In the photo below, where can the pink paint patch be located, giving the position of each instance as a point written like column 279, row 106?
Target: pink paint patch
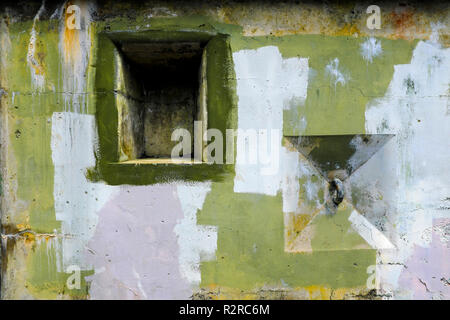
column 427, row 272
column 134, row 249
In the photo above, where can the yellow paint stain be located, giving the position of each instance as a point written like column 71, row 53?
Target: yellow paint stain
column 297, row 222
column 319, row 293
column 23, row 226
column 25, row 232
column 71, row 39
column 29, row 237
column 325, row 293
column 295, row 225
column 301, row 221
column 348, row 30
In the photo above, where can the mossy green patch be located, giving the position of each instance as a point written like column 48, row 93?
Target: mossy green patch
column 29, row 136
column 45, row 53
column 334, row 231
column 45, row 281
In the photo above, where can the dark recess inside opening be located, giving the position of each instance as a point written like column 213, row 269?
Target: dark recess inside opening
column 168, row 78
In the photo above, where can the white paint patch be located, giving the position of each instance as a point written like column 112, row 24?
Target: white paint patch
column 196, row 242
column 312, row 187
column 371, row 48
column 56, row 14
column 415, row 110
column 265, row 84
column 36, row 69
column 369, row 232
column 336, row 75
column 363, row 151
column 435, row 28
column 76, row 199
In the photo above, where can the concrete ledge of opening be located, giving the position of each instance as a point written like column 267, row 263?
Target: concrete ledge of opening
column 160, row 161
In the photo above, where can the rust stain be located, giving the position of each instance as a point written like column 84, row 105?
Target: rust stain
column 71, row 42
column 403, row 22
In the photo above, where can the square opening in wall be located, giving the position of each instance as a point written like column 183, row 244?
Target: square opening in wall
column 149, row 84
column 159, row 88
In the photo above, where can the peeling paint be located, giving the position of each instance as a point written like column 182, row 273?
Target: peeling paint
column 33, row 59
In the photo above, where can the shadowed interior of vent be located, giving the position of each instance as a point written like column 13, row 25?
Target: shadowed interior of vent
column 167, row 79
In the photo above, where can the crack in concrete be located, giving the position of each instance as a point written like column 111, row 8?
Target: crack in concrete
column 25, row 234
column 424, row 284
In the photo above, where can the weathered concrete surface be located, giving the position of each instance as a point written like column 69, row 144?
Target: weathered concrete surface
column 303, row 69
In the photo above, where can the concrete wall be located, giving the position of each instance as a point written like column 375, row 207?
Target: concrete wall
column 254, row 230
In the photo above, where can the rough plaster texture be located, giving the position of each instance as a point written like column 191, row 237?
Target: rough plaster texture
column 298, row 68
